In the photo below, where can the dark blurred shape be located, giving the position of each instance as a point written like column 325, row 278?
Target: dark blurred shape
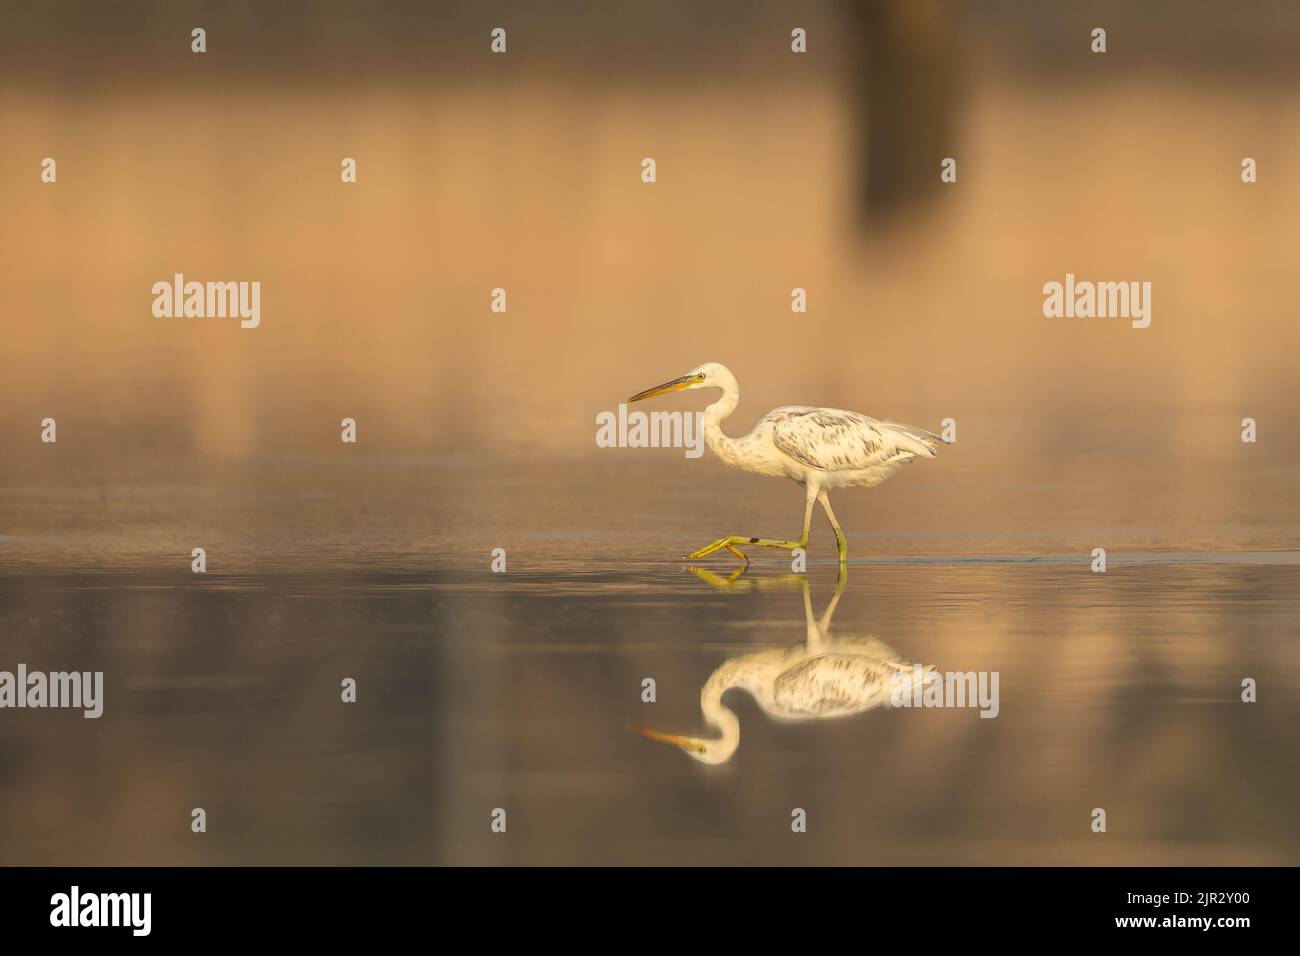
column 910, row 75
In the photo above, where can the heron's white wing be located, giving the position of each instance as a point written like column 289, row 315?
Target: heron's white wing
column 832, row 439
column 832, row 684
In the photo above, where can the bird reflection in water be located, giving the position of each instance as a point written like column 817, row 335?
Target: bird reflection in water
column 822, row 678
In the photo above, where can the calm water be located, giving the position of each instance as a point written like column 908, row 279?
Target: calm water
column 479, row 691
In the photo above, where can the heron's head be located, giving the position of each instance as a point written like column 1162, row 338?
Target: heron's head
column 708, row 375
column 705, row 751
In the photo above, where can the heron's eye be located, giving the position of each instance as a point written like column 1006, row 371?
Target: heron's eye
column 699, row 377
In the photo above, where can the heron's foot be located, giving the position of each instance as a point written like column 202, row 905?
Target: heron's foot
column 730, row 544
column 736, row 581
column 731, row 582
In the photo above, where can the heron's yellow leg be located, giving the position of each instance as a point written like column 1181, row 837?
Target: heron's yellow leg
column 731, row 582
column 736, row 582
column 732, row 540
column 840, row 541
column 730, row 544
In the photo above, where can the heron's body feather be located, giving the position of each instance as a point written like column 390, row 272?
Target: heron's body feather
column 845, row 677
column 845, row 448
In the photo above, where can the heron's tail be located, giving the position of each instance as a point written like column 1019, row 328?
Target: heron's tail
column 920, row 434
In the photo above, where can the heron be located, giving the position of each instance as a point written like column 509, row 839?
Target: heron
column 820, row 448
column 824, row 677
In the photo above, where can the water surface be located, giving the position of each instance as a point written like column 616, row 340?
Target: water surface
column 479, row 691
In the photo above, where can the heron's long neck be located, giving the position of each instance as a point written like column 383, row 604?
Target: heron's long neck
column 718, row 714
column 719, row 443
column 721, row 717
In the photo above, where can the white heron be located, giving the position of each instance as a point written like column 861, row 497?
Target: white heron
column 821, row 448
column 822, row 678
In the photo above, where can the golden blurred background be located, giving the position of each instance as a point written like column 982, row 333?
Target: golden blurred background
column 522, row 171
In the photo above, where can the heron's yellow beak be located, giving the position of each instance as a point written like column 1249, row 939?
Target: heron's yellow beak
column 675, row 385
column 686, row 743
